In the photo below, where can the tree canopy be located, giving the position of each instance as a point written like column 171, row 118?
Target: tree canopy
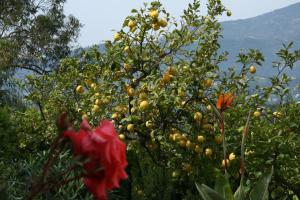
column 35, row 34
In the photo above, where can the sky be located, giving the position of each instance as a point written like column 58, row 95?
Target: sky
column 100, row 17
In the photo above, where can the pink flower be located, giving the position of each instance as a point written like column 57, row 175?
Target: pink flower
column 105, row 156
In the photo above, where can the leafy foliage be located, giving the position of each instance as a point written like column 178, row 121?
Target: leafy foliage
column 159, row 81
column 35, row 35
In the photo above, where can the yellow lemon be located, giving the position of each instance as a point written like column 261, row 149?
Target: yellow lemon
column 189, row 144
column 163, row 22
column 208, row 83
column 198, row 149
column 98, row 102
column 117, row 36
column 131, row 24
column 166, row 78
column 144, row 105
column 149, row 124
column 97, row 94
column 115, row 116
column 223, row 163
column 256, row 114
column 80, row 89
column 208, row 152
column 231, row 156
column 96, row 108
column 197, row 116
column 130, row 127
column 122, row 137
column 130, row 91
column 155, row 26
column 200, row 138
column 154, row 14
column 252, row 69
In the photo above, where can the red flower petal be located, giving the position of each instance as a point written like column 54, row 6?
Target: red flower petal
column 106, row 155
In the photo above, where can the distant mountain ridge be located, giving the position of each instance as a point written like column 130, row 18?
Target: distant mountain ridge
column 281, row 24
column 265, row 32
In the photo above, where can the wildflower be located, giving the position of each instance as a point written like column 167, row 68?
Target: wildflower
column 225, row 101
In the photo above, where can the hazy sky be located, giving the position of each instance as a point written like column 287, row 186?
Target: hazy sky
column 100, row 17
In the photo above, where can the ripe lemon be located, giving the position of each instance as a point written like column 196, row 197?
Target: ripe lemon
column 130, row 127
column 189, row 144
column 277, row 114
column 166, row 78
column 149, row 124
column 197, row 116
column 218, row 139
column 117, row 36
column 97, row 94
column 130, row 91
column 176, row 137
column 223, row 163
column 163, row 22
column 115, row 116
column 198, row 149
column 126, row 49
column 96, row 108
column 182, row 143
column 131, row 24
column 122, row 137
column 175, row 174
column 98, row 102
column 184, row 137
column 208, row 83
column 209, row 108
column 154, row 14
column 256, row 114
column 200, row 138
column 252, row 69
column 208, row 152
column 80, row 89
column 144, row 105
column 155, row 26
column 93, row 85
column 231, row 156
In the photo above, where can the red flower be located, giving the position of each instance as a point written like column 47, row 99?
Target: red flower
column 105, row 156
column 225, row 101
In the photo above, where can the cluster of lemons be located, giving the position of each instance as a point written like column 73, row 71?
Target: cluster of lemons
column 97, row 99
column 276, row 114
column 156, row 24
column 168, row 75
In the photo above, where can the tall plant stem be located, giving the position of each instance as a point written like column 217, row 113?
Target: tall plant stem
column 222, row 124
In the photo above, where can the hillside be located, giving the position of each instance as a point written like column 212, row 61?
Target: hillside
column 266, row 32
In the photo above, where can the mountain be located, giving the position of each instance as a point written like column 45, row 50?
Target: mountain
column 267, row 33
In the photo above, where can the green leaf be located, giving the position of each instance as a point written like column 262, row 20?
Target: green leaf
column 208, row 193
column 134, row 11
column 223, row 188
column 240, row 193
column 260, row 190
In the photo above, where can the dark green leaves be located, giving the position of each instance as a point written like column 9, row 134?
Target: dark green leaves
column 260, row 190
column 207, row 193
